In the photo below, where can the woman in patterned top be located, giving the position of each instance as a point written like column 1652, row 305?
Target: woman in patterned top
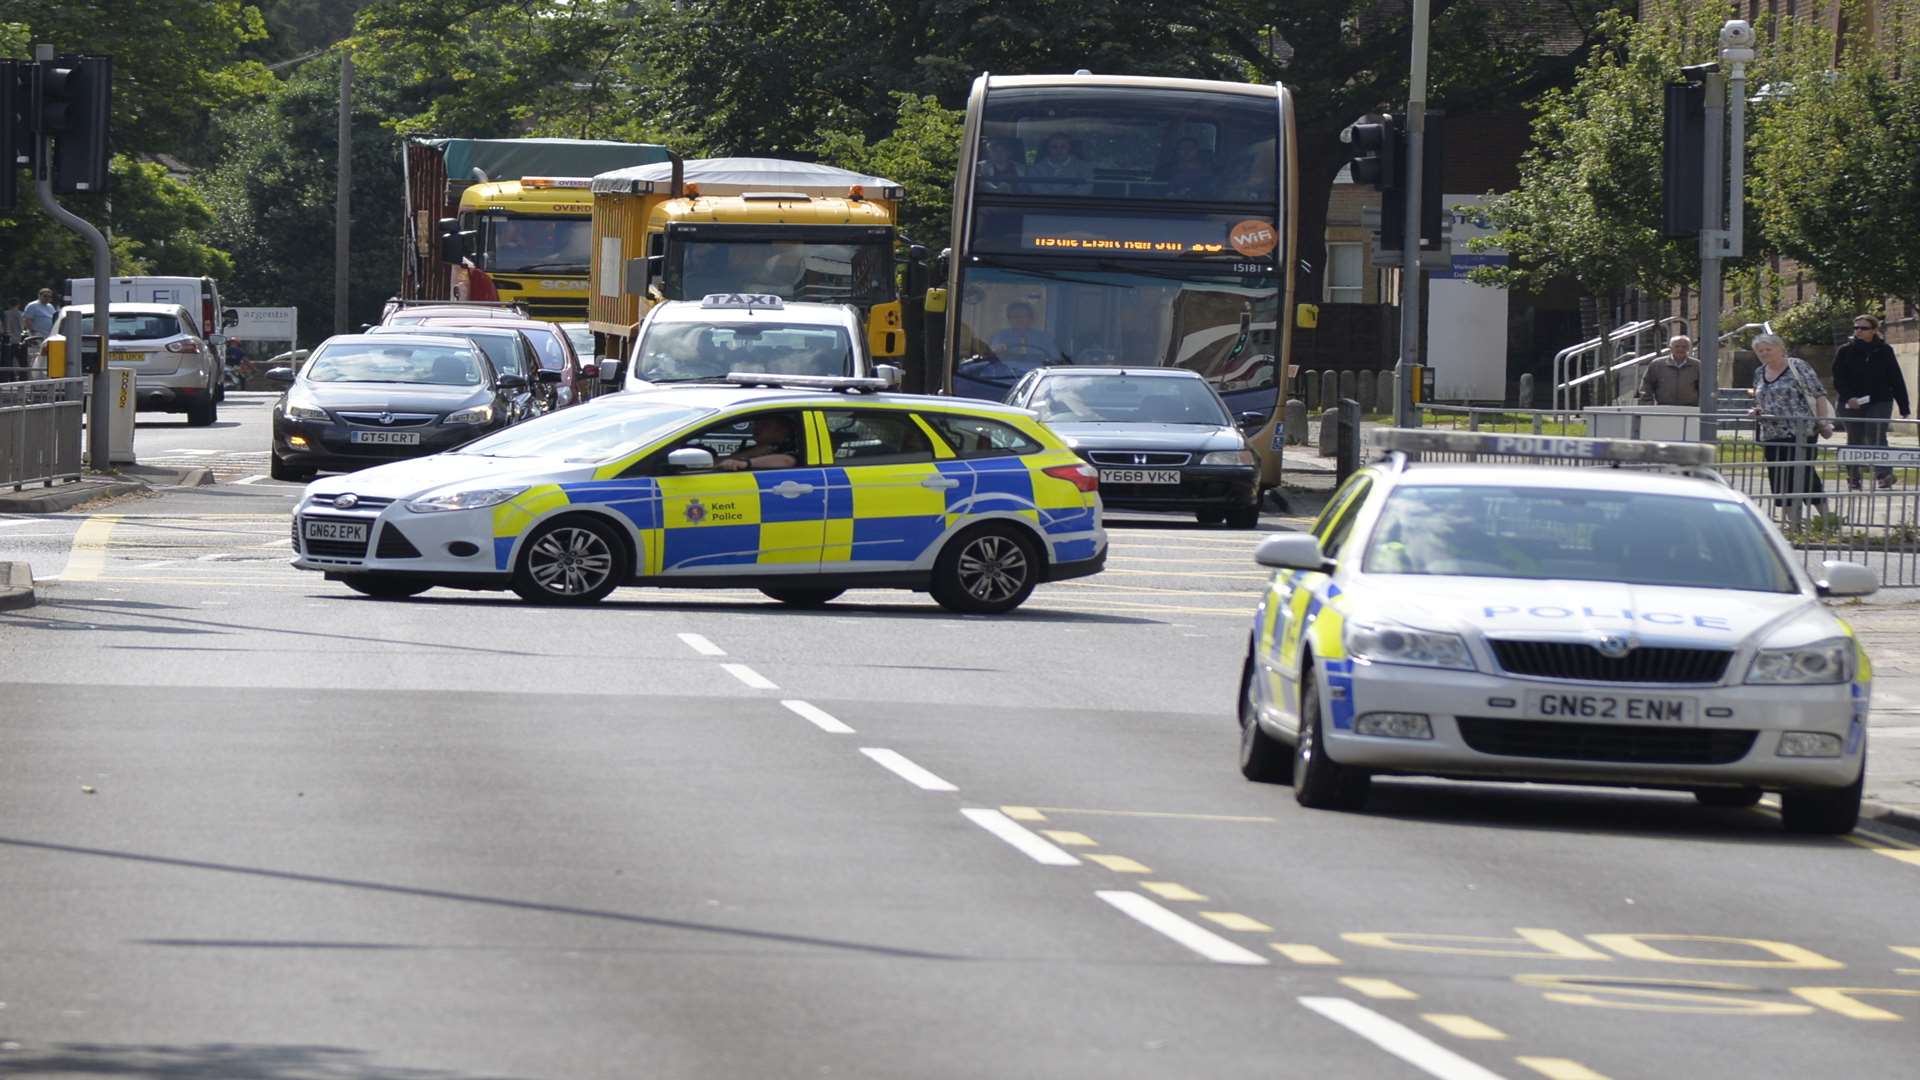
column 1787, row 392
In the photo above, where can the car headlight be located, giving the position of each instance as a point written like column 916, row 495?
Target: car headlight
column 301, row 407
column 1228, row 457
column 1383, row 643
column 1823, row 662
column 478, row 415
column 474, row 499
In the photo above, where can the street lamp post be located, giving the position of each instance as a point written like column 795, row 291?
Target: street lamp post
column 1723, row 236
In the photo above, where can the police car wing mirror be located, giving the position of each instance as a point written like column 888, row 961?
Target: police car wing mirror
column 280, row 374
column 1839, row 578
column 1291, row 551
column 690, row 459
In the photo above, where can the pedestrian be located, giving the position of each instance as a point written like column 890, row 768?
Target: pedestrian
column 40, row 315
column 1792, row 407
column 1674, row 379
column 1867, row 378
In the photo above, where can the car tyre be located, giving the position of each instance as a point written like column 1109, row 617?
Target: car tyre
column 278, row 469
column 1244, row 517
column 986, row 570
column 1734, row 798
column 1824, row 811
column 1263, row 758
column 570, row 560
column 383, row 587
column 799, row 597
column 203, row 413
column 1210, row 516
column 1319, row 782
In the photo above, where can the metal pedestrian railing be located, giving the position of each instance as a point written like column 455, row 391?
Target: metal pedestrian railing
column 40, row 431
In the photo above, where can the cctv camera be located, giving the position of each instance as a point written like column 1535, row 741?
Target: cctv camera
column 1737, row 34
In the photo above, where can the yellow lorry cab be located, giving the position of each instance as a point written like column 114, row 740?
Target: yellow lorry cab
column 796, row 230
column 530, row 238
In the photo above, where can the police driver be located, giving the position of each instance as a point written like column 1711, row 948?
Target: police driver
column 773, row 445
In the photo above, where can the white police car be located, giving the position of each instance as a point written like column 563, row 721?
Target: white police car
column 683, row 341
column 1629, row 626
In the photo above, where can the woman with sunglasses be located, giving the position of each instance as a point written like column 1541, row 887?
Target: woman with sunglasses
column 1867, row 378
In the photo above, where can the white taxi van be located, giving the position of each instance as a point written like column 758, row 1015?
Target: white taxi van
column 1638, row 624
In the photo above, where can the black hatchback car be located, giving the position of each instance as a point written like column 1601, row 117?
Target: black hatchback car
column 1161, row 438
column 364, row 399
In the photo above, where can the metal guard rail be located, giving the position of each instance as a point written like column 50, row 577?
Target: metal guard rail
column 40, row 431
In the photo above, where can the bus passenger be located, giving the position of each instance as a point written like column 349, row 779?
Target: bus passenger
column 1020, row 345
column 1059, row 164
column 1001, row 170
column 1190, row 176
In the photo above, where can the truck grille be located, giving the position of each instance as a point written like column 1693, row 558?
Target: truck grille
column 1632, row 744
column 1581, row 661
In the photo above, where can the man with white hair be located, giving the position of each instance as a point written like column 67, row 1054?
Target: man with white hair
column 1673, row 379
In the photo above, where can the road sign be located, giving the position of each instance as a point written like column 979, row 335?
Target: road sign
column 266, row 324
column 1876, row 455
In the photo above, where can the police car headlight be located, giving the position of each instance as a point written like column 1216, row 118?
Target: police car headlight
column 1823, row 662
column 476, row 499
column 1386, row 643
column 1228, row 457
column 480, row 415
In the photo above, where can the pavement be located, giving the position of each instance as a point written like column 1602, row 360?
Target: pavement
column 259, row 826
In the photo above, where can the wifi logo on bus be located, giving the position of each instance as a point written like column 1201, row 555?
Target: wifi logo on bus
column 1254, row 238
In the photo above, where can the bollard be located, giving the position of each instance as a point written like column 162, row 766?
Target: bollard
column 1526, row 390
column 1329, row 391
column 1349, row 387
column 1296, row 420
column 1347, row 444
column 1364, row 383
column 1329, row 432
column 1308, row 386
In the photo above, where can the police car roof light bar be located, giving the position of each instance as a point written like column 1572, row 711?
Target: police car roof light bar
column 1612, row 451
column 743, row 302
column 807, row 382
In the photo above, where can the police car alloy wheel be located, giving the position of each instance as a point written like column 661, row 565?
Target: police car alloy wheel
column 384, row 587
column 795, row 596
column 569, row 561
column 986, row 570
column 1263, row 758
column 1318, row 782
column 1824, row 812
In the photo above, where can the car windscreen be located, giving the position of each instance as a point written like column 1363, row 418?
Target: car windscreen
column 399, row 362
column 1127, row 399
column 681, row 352
column 1570, row 534
column 595, row 432
column 135, row 327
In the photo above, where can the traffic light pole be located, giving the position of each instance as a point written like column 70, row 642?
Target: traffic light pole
column 1410, row 263
column 1712, row 247
column 100, row 412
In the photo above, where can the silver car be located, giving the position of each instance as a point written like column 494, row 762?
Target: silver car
column 175, row 368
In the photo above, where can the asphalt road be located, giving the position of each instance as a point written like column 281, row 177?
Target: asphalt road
column 257, row 826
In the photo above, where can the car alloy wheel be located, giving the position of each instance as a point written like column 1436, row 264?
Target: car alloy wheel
column 570, row 561
column 993, row 568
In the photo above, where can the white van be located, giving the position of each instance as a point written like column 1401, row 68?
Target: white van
column 199, row 295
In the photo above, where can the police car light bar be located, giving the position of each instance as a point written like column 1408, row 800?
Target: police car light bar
column 743, row 301
column 808, row 382
column 1617, row 451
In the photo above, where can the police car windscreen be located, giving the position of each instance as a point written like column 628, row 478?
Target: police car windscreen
column 1128, row 399
column 597, row 432
column 1572, row 535
column 684, row 352
column 400, row 362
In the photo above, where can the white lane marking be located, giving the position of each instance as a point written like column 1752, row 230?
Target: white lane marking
column 216, row 556
column 6, row 524
column 285, row 541
column 1020, row 837
column 698, row 643
column 749, row 676
column 1191, row 934
column 251, row 479
column 819, row 717
column 897, row 763
column 1397, row 1039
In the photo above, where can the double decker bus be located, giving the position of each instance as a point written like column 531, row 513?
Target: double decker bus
column 1107, row 220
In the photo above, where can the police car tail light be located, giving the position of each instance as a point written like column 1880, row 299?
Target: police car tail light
column 1821, row 663
column 1084, row 477
column 1808, row 744
column 1386, row 643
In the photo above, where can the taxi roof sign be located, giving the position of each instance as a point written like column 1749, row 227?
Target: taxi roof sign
column 743, row 301
column 1610, row 451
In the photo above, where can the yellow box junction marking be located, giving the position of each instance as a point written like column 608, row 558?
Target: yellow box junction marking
column 1907, row 950
column 1069, row 838
column 1171, row 890
column 1023, row 813
column 1120, row 864
column 1528, row 943
column 1845, row 1000
column 89, row 552
column 1559, row 1068
column 1233, row 920
column 1382, row 989
column 1782, row 955
column 1304, row 954
column 1462, row 1027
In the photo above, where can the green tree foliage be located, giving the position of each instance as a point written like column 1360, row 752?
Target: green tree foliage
column 1836, row 156
column 1589, row 202
column 920, row 153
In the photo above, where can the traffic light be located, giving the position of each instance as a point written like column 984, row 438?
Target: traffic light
column 71, row 101
column 16, row 142
column 1432, row 192
column 1683, row 160
column 1377, row 148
